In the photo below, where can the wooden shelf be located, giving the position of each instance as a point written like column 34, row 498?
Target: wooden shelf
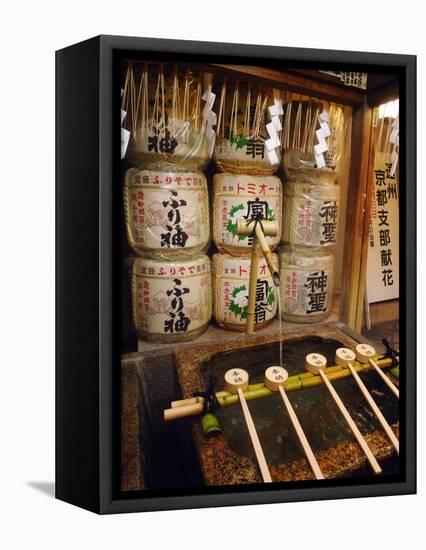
column 296, row 82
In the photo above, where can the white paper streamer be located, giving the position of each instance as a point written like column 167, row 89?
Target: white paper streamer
column 210, row 118
column 273, row 127
column 322, row 133
column 125, row 134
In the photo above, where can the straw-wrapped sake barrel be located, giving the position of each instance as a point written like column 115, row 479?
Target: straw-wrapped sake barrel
column 306, row 284
column 314, row 140
column 167, row 213
column 238, row 196
column 310, row 214
column 249, row 129
column 171, row 301
column 230, row 292
column 169, row 114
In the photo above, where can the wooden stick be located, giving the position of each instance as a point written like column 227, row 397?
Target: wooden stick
column 359, row 437
column 236, row 380
column 310, row 457
column 388, row 430
column 275, row 380
column 264, row 470
column 385, row 379
column 365, row 355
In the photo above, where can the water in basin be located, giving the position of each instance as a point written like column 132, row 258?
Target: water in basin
column 319, row 416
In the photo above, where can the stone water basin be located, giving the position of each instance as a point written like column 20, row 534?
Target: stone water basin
column 229, row 459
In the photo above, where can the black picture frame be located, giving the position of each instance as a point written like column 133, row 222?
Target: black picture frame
column 87, row 357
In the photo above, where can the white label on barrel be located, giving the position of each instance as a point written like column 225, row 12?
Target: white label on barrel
column 168, row 210
column 179, row 138
column 242, row 150
column 245, row 197
column 305, row 292
column 311, row 222
column 232, row 285
column 172, row 298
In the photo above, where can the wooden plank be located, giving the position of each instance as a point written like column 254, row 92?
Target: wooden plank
column 296, row 82
column 380, row 312
column 357, row 222
column 383, row 94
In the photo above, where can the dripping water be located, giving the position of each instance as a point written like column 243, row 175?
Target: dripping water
column 280, row 321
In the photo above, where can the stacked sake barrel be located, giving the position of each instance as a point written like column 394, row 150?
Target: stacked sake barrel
column 312, row 150
column 168, row 118
column 247, row 153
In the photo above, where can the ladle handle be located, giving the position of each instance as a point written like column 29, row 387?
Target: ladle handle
column 358, row 435
column 264, row 470
column 301, row 435
column 388, row 430
column 385, row 379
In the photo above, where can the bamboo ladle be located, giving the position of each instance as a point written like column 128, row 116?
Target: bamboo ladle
column 275, row 380
column 236, row 380
column 344, row 358
column 316, row 364
column 365, row 354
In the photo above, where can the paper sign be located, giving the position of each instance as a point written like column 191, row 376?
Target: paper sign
column 383, row 249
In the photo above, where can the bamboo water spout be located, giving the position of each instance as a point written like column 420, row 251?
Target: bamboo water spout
column 258, row 229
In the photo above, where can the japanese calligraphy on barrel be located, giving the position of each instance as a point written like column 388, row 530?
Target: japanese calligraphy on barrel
column 231, row 288
column 306, row 284
column 240, row 196
column 171, row 301
column 248, row 128
column 167, row 213
column 168, row 113
column 310, row 214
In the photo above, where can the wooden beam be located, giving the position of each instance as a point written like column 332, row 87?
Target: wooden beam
column 358, row 217
column 295, row 82
column 383, row 94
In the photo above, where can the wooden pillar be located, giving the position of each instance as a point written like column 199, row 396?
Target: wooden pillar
column 360, row 190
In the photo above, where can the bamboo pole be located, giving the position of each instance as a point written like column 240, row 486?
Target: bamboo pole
column 273, row 268
column 294, row 383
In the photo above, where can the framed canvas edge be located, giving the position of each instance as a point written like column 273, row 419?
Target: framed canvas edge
column 108, row 503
